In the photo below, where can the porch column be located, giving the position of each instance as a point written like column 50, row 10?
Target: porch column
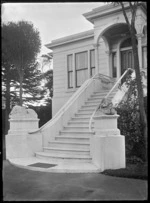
column 118, row 63
column 96, row 57
column 139, row 38
column 108, row 52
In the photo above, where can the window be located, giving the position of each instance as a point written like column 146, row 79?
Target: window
column 144, row 57
column 92, row 62
column 81, row 67
column 70, row 70
column 114, row 65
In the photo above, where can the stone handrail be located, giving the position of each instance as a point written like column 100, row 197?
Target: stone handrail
column 66, row 106
column 97, row 107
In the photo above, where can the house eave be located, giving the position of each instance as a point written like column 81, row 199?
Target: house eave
column 70, row 39
column 107, row 10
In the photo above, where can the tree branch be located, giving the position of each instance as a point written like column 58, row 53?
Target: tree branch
column 125, row 15
column 131, row 6
column 134, row 12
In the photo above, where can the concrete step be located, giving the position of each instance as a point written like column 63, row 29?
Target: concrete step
column 92, row 99
column 104, row 93
column 72, row 137
column 92, row 102
column 66, row 144
column 68, row 150
column 81, row 117
column 79, row 123
column 80, row 114
column 77, row 132
column 53, row 156
column 64, row 166
column 100, row 96
column 78, row 129
column 90, row 106
column 73, row 141
column 90, row 111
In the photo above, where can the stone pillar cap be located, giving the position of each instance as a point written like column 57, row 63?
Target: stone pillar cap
column 22, row 112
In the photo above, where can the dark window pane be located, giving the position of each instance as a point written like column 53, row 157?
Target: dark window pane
column 70, row 70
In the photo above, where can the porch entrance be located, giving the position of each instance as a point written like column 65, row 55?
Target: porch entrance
column 127, row 60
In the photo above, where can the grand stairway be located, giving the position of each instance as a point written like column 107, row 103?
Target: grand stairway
column 72, row 143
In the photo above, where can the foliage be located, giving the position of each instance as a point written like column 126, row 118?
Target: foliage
column 138, row 170
column 48, row 76
column 129, row 122
column 134, row 160
column 20, row 44
column 32, row 85
column 9, row 76
column 32, row 90
column 44, row 112
column 133, row 32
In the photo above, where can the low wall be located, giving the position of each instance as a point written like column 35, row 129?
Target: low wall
column 19, row 143
column 107, row 146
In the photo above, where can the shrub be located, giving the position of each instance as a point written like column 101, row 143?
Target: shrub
column 130, row 125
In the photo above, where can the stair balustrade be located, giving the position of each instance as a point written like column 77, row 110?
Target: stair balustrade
column 101, row 76
column 53, row 127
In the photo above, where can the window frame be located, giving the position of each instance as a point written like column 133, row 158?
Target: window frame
column 92, row 67
column 76, row 70
column 69, row 72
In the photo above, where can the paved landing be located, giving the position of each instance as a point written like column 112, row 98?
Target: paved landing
column 36, row 164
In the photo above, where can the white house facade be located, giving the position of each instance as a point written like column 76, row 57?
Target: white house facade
column 81, row 137
column 105, row 49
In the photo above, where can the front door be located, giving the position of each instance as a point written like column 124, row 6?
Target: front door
column 127, row 60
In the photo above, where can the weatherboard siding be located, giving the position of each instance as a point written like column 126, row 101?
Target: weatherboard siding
column 61, row 91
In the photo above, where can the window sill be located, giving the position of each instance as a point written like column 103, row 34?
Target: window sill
column 71, row 90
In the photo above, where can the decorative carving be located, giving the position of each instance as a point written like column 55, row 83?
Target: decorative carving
column 108, row 52
column 32, row 113
column 139, row 24
column 22, row 112
column 106, row 107
column 95, row 45
column 139, row 35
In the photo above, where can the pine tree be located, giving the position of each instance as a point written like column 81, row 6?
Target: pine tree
column 20, row 43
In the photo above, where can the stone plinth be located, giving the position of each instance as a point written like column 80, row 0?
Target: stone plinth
column 18, row 142
column 106, row 125
column 22, row 120
column 107, row 146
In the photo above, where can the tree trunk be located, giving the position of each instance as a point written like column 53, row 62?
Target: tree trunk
column 7, row 111
column 21, row 91
column 140, row 90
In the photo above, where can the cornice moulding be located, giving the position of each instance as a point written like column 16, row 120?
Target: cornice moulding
column 71, row 38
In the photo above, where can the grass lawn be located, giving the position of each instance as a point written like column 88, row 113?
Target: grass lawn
column 136, row 171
